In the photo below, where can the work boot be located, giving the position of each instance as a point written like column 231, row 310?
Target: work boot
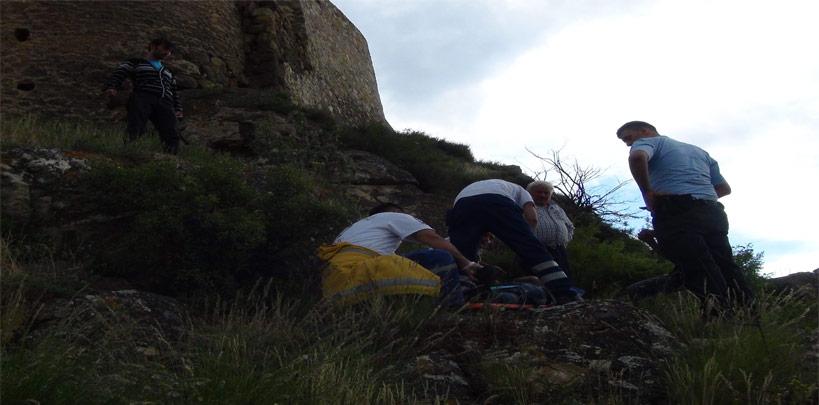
column 567, row 298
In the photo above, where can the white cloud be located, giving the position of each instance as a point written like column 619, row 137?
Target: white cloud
column 739, row 78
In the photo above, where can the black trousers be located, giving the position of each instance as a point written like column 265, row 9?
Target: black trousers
column 694, row 235
column 473, row 216
column 561, row 256
column 143, row 107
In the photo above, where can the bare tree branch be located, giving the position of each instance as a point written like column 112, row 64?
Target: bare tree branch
column 574, row 182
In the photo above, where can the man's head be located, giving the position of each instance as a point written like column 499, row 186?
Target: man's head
column 160, row 48
column 386, row 207
column 541, row 191
column 634, row 130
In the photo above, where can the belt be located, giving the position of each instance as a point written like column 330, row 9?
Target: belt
column 673, row 204
column 683, row 199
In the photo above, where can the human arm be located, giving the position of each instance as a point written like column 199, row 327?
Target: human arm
column 529, row 214
column 177, row 103
column 431, row 238
column 638, row 164
column 122, row 72
column 722, row 189
column 648, row 236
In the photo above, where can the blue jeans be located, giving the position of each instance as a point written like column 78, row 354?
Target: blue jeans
column 443, row 265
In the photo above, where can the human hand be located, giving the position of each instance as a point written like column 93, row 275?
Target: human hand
column 648, row 198
column 179, row 114
column 646, row 235
column 111, row 92
column 471, row 269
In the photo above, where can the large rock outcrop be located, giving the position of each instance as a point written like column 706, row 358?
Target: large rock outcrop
column 150, row 320
column 57, row 54
column 588, row 350
column 39, row 186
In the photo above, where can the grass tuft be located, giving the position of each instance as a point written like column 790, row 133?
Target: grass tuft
column 742, row 356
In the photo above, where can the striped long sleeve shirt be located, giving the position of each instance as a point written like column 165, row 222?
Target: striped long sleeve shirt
column 146, row 79
column 554, row 228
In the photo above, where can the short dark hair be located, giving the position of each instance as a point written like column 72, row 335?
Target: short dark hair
column 635, row 125
column 385, row 207
column 163, row 42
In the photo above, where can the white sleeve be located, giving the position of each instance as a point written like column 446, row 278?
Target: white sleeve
column 523, row 197
column 405, row 225
column 647, row 145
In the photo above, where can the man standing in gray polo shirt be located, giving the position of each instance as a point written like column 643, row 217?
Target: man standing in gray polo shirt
column 680, row 184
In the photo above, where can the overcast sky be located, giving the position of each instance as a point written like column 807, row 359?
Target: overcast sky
column 738, row 78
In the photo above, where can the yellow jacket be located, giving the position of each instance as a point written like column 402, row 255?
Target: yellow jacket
column 356, row 273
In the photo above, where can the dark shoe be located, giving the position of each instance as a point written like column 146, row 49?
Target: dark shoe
column 567, row 298
column 488, row 275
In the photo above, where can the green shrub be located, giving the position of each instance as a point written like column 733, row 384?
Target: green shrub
column 204, row 226
column 751, row 264
column 34, row 131
column 297, row 221
column 438, row 165
column 742, row 357
column 255, row 348
column 600, row 266
column 604, row 266
column 189, row 227
column 51, row 372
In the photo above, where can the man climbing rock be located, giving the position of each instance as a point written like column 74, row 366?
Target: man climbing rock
column 363, row 263
column 507, row 211
column 154, row 97
column 680, row 184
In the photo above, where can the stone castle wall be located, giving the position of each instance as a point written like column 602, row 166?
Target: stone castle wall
column 342, row 79
column 57, row 54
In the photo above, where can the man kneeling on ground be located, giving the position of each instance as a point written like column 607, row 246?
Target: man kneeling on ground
column 363, row 263
column 507, row 211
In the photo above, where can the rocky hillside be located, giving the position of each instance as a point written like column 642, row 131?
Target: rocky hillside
column 119, row 255
column 132, row 275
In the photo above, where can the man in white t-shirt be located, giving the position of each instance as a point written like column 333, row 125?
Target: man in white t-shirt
column 507, row 211
column 363, row 262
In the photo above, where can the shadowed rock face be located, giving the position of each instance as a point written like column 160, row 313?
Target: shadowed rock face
column 806, row 282
column 38, row 185
column 149, row 319
column 579, row 349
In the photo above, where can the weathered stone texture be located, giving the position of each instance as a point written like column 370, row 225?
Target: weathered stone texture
column 73, row 46
column 57, row 54
column 582, row 350
column 342, row 79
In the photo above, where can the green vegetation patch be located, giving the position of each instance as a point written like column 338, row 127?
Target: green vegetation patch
column 743, row 356
column 207, row 224
column 605, row 265
column 33, row 131
column 257, row 348
column 438, row 165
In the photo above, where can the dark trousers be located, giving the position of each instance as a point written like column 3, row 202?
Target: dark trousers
column 473, row 216
column 667, row 283
column 561, row 256
column 443, row 265
column 143, row 107
column 694, row 235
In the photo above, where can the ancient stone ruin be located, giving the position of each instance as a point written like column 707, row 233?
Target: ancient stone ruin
column 57, row 54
